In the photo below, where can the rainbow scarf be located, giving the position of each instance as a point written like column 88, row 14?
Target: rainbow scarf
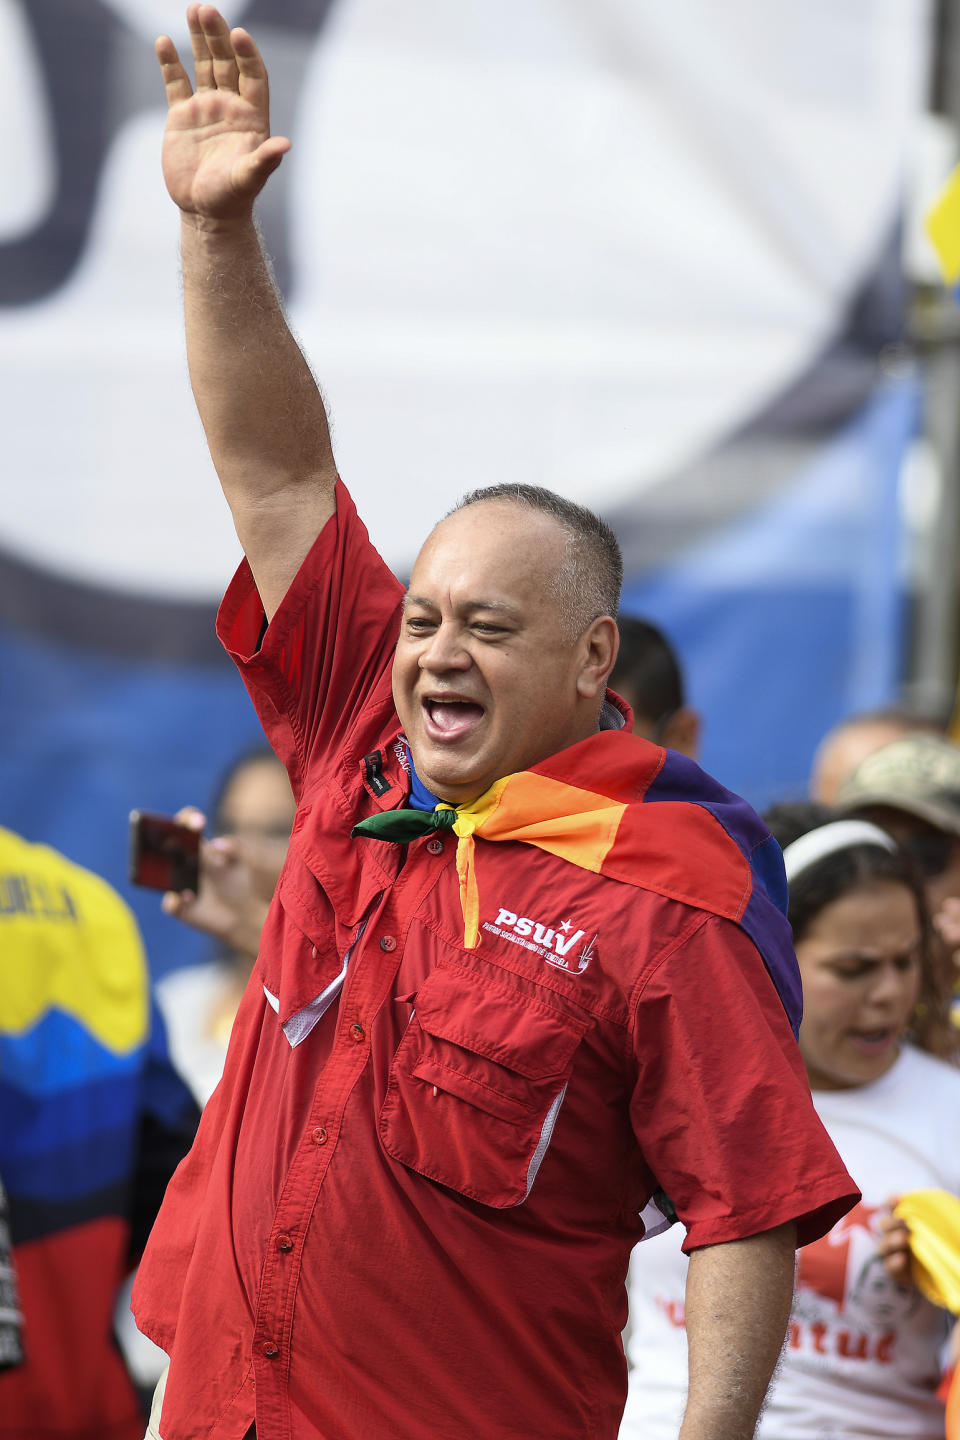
column 650, row 818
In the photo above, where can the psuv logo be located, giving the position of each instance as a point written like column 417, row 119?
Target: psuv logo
column 559, row 945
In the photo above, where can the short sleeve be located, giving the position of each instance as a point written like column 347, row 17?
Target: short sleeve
column 722, row 1108
column 328, row 650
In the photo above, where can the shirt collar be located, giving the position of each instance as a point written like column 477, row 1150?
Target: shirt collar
column 420, row 797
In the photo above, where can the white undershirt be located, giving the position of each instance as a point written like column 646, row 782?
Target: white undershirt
column 863, row 1357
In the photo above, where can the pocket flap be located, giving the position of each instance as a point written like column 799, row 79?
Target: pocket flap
column 534, row 1039
column 473, row 1090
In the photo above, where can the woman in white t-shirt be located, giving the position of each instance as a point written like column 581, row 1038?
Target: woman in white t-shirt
column 864, row 1349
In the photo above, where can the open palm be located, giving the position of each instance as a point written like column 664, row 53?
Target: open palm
column 217, row 149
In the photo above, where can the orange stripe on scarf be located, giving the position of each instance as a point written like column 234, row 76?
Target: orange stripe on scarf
column 576, row 825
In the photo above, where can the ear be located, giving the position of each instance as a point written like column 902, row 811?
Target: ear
column 599, row 644
column 682, row 732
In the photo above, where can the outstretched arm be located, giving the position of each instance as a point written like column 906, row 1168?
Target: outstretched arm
column 260, row 406
column 737, row 1306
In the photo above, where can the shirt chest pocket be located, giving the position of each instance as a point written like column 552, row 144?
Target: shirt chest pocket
column 476, row 1086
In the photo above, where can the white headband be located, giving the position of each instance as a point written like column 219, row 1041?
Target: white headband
column 827, row 839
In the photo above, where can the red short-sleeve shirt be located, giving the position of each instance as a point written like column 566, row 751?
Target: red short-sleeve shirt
column 411, row 1201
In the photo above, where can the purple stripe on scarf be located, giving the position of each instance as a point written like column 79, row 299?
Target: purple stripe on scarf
column 764, row 919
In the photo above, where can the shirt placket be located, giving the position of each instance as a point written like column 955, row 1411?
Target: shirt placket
column 377, row 952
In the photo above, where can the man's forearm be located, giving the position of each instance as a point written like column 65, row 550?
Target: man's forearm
column 737, row 1307
column 261, row 409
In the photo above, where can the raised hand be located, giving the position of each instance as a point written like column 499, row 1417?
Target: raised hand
column 262, row 412
column 217, row 149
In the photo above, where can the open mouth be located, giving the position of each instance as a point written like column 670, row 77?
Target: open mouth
column 449, row 720
column 873, row 1042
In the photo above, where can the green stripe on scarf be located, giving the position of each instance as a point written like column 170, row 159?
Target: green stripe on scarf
column 404, row 825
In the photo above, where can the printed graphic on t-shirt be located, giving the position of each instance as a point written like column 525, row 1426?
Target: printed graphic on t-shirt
column 847, row 1306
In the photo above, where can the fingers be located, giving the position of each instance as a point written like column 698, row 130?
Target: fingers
column 252, row 72
column 893, row 1233
column 226, row 59
column 893, row 1245
column 897, row 1261
column 898, row 1267
column 178, row 903
column 893, row 1236
column 175, row 79
column 215, row 64
column 190, row 815
column 202, row 59
column 220, row 853
column 219, row 44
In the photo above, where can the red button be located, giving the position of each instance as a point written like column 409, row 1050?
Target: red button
column 388, row 942
column 357, row 1032
column 270, row 1349
column 284, row 1243
column 319, row 1136
column 313, row 952
column 435, row 846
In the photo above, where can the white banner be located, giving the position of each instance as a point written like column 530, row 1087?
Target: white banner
column 564, row 243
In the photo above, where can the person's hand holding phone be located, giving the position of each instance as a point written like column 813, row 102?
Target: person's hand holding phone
column 237, row 878
column 164, row 854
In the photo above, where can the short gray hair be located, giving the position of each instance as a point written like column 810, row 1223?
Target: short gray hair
column 588, row 582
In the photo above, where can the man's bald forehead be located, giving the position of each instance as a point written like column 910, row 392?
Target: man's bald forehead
column 500, row 511
column 513, row 537
column 585, row 566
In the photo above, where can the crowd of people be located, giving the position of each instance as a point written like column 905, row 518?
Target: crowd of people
column 502, row 986
column 866, row 1351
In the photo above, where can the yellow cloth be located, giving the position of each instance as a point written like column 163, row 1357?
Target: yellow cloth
column 933, row 1219
column 943, row 227
column 68, row 943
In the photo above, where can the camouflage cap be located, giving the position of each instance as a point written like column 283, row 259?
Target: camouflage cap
column 918, row 774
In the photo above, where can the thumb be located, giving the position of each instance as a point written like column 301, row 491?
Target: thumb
column 253, row 171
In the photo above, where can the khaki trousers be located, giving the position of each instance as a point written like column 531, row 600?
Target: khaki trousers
column 153, row 1430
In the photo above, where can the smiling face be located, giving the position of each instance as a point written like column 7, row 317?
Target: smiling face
column 860, row 965
column 486, row 678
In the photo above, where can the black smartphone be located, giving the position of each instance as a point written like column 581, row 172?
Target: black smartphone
column 164, row 855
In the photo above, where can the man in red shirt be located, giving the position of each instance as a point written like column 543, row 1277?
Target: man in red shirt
column 516, row 979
